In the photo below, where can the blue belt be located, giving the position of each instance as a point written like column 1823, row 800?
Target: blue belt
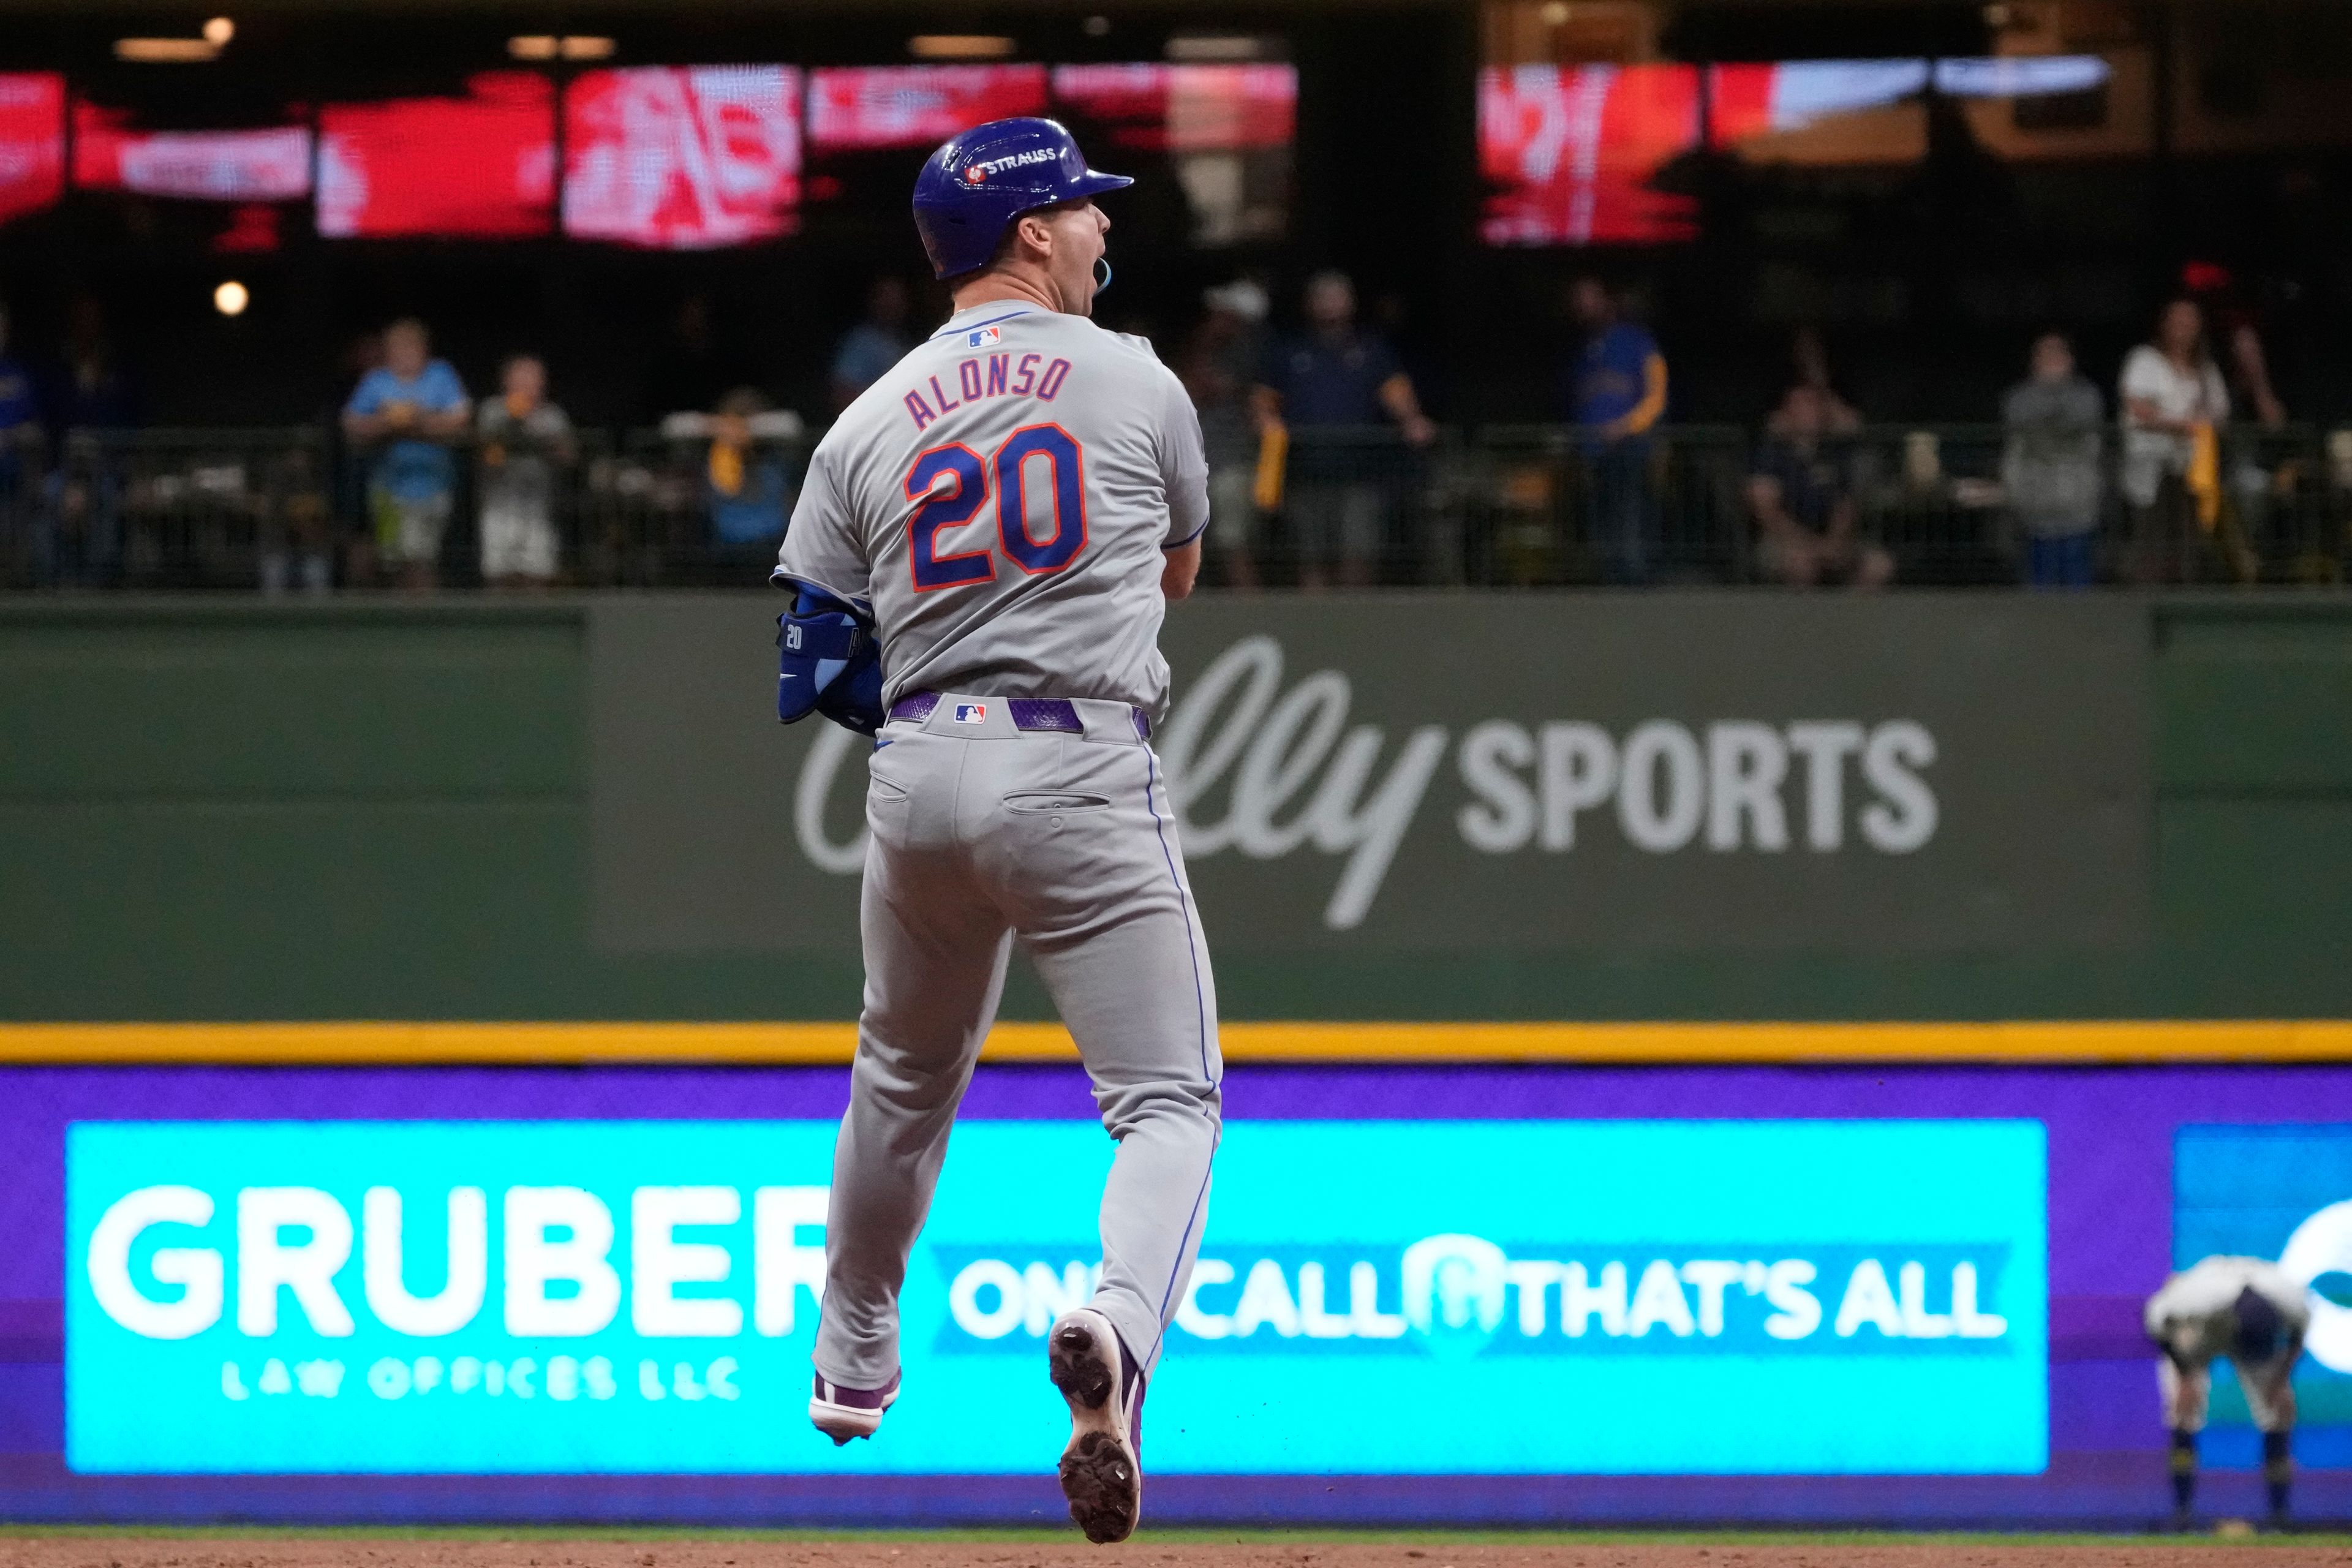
column 1027, row 713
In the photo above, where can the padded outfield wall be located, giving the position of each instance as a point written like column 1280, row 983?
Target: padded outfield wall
column 1704, row 807
column 1781, row 1039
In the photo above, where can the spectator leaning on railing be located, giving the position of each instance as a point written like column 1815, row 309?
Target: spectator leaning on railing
column 1615, row 392
column 1218, row 365
column 2174, row 404
column 525, row 442
column 89, row 387
column 20, row 440
column 415, row 406
column 1801, row 493
column 745, row 487
column 1335, row 377
column 2050, row 465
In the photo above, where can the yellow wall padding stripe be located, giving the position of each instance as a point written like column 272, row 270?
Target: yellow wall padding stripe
column 366, row 1043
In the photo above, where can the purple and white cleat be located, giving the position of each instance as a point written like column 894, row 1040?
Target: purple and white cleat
column 841, row 1412
column 1102, row 1468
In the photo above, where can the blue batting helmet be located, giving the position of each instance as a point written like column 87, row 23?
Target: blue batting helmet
column 975, row 185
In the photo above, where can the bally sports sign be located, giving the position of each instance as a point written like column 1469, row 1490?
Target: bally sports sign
column 1267, row 770
column 1612, row 775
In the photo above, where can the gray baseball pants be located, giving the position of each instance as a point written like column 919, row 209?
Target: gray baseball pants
column 982, row 833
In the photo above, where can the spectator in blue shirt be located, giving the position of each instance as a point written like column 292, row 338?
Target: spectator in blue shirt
column 1615, row 392
column 1328, row 385
column 1801, row 491
column 410, row 407
column 90, row 389
column 869, row 349
column 744, row 483
column 20, row 424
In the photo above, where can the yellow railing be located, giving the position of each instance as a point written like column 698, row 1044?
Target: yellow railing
column 819, row 1044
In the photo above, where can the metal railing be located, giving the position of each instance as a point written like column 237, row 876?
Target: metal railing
column 1503, row 506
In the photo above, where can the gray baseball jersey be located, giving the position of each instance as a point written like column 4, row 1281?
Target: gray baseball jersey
column 999, row 502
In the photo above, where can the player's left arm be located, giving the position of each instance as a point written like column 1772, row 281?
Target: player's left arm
column 1179, row 569
column 1184, row 470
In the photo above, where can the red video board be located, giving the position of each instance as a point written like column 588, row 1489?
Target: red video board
column 682, row 158
column 271, row 165
column 1187, row 107
column 481, row 166
column 1568, row 153
column 32, row 142
column 867, row 106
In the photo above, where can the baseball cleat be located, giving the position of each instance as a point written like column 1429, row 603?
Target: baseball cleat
column 841, row 1412
column 1102, row 1468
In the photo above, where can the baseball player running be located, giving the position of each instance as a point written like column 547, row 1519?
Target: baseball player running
column 2253, row 1313
column 982, row 554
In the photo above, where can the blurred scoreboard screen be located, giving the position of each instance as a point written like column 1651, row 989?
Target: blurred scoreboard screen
column 1568, row 153
column 1575, row 154
column 683, row 158
column 32, row 142
column 110, row 153
column 1184, row 107
column 866, row 108
column 479, row 166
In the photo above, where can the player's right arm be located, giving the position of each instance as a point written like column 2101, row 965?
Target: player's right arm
column 825, row 549
column 829, row 660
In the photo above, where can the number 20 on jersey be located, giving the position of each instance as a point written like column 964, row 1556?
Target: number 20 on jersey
column 952, row 483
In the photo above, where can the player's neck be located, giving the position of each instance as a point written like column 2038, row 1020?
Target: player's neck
column 1016, row 286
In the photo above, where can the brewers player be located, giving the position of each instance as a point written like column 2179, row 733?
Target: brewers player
column 2253, row 1313
column 1002, row 518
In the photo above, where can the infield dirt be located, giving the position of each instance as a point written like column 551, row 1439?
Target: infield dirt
column 1185, row 1550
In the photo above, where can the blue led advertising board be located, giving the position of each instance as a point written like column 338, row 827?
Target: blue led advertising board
column 2282, row 1193
column 1376, row 1297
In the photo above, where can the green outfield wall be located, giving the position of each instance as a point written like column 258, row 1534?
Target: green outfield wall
column 1670, row 806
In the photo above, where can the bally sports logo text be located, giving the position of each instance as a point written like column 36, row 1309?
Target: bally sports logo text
column 1266, row 772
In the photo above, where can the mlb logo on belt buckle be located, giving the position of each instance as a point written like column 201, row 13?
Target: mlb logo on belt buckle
column 987, row 337
column 971, row 713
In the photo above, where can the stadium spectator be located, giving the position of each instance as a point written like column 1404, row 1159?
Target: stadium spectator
column 2174, row 403
column 297, row 532
column 1326, row 385
column 869, row 349
column 77, row 534
column 2261, row 474
column 412, row 406
column 90, row 389
column 695, row 368
column 20, row 428
column 1615, row 392
column 2251, row 370
column 1801, row 493
column 2050, row 465
column 1218, row 366
column 744, row 485
column 1809, row 356
column 525, row 442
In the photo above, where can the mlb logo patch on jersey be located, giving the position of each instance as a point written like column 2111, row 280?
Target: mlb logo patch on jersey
column 972, row 712
column 986, row 338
